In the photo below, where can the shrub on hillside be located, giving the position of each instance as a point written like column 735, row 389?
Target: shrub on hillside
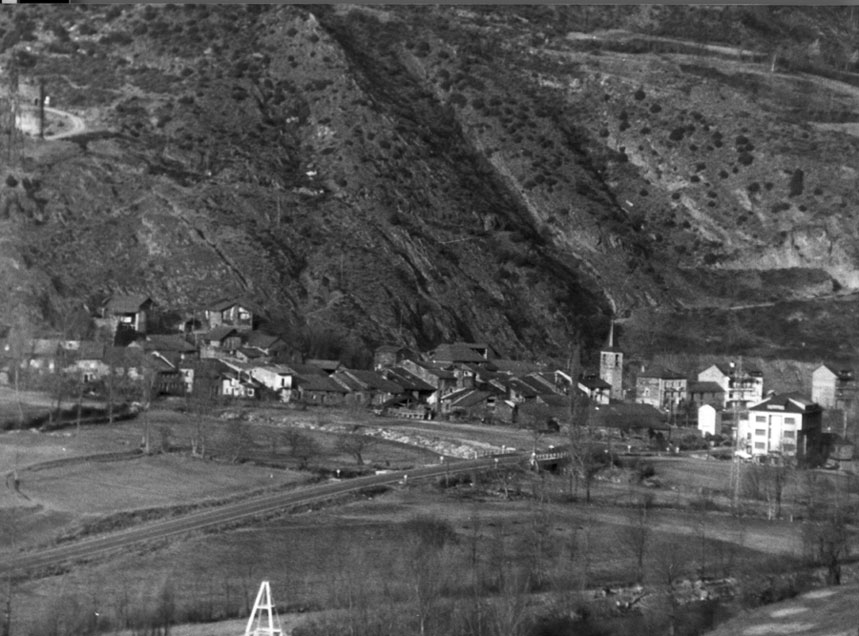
column 796, row 183
column 745, row 159
column 677, row 134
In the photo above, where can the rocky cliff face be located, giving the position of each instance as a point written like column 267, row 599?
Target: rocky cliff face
column 426, row 173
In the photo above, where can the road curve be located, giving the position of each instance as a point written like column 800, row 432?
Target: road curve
column 229, row 513
column 77, row 124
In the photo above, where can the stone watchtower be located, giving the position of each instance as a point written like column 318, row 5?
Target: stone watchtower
column 611, row 366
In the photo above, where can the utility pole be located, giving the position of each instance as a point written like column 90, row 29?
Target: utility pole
column 13, row 107
column 41, row 108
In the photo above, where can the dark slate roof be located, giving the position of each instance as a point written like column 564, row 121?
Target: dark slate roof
column 409, row 381
column 556, row 401
column 127, row 304
column 350, row 383
column 226, row 303
column 220, row 333
column 207, row 367
column 387, row 348
column 787, row 403
column 251, row 353
column 593, row 382
column 305, row 370
column 262, row 340
column 325, row 365
column 537, row 385
column 457, row 352
column 626, row 415
column 663, row 373
column 544, row 379
column 315, row 382
column 44, row 346
column 169, row 342
column 437, row 370
column 516, row 367
column 90, row 350
column 374, row 381
column 705, row 387
column 471, row 398
column 525, row 389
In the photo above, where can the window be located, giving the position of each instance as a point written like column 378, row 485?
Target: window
column 616, row 360
column 250, row 392
column 788, row 448
column 760, row 418
column 790, row 420
column 760, row 432
column 760, row 445
column 790, row 435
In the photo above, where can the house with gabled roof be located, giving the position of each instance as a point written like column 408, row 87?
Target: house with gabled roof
column 661, row 388
column 279, row 378
column 387, row 356
column 239, row 314
column 319, row 389
column 787, row 424
column 459, row 353
column 366, row 387
column 469, row 403
column 328, row 366
column 434, row 374
column 128, row 311
column 743, row 384
column 515, row 367
column 833, row 387
column 416, row 390
column 219, row 342
column 597, row 389
column 266, row 343
column 701, row 393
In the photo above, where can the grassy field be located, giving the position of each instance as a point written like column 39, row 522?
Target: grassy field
column 318, row 559
column 519, row 526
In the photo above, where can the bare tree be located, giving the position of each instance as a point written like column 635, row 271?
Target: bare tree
column 768, row 483
column 355, row 444
column 428, row 538
column 826, row 534
column 198, row 407
column 19, row 342
column 670, row 562
column 238, row 439
column 636, row 533
column 586, row 459
column 513, row 581
column 301, row 446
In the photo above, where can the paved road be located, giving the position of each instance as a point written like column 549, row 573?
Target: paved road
column 88, row 548
column 77, row 124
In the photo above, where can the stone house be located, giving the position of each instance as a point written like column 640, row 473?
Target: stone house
column 237, row 314
column 318, row 389
column 597, row 389
column 219, row 341
column 127, row 312
column 388, row 356
column 833, row 388
column 661, row 388
column 711, row 393
column 366, row 387
column 742, row 384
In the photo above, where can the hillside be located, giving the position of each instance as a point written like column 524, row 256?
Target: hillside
column 420, row 174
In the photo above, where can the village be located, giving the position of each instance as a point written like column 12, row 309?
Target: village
column 221, row 355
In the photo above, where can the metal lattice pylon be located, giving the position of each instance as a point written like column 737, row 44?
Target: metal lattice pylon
column 264, row 620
